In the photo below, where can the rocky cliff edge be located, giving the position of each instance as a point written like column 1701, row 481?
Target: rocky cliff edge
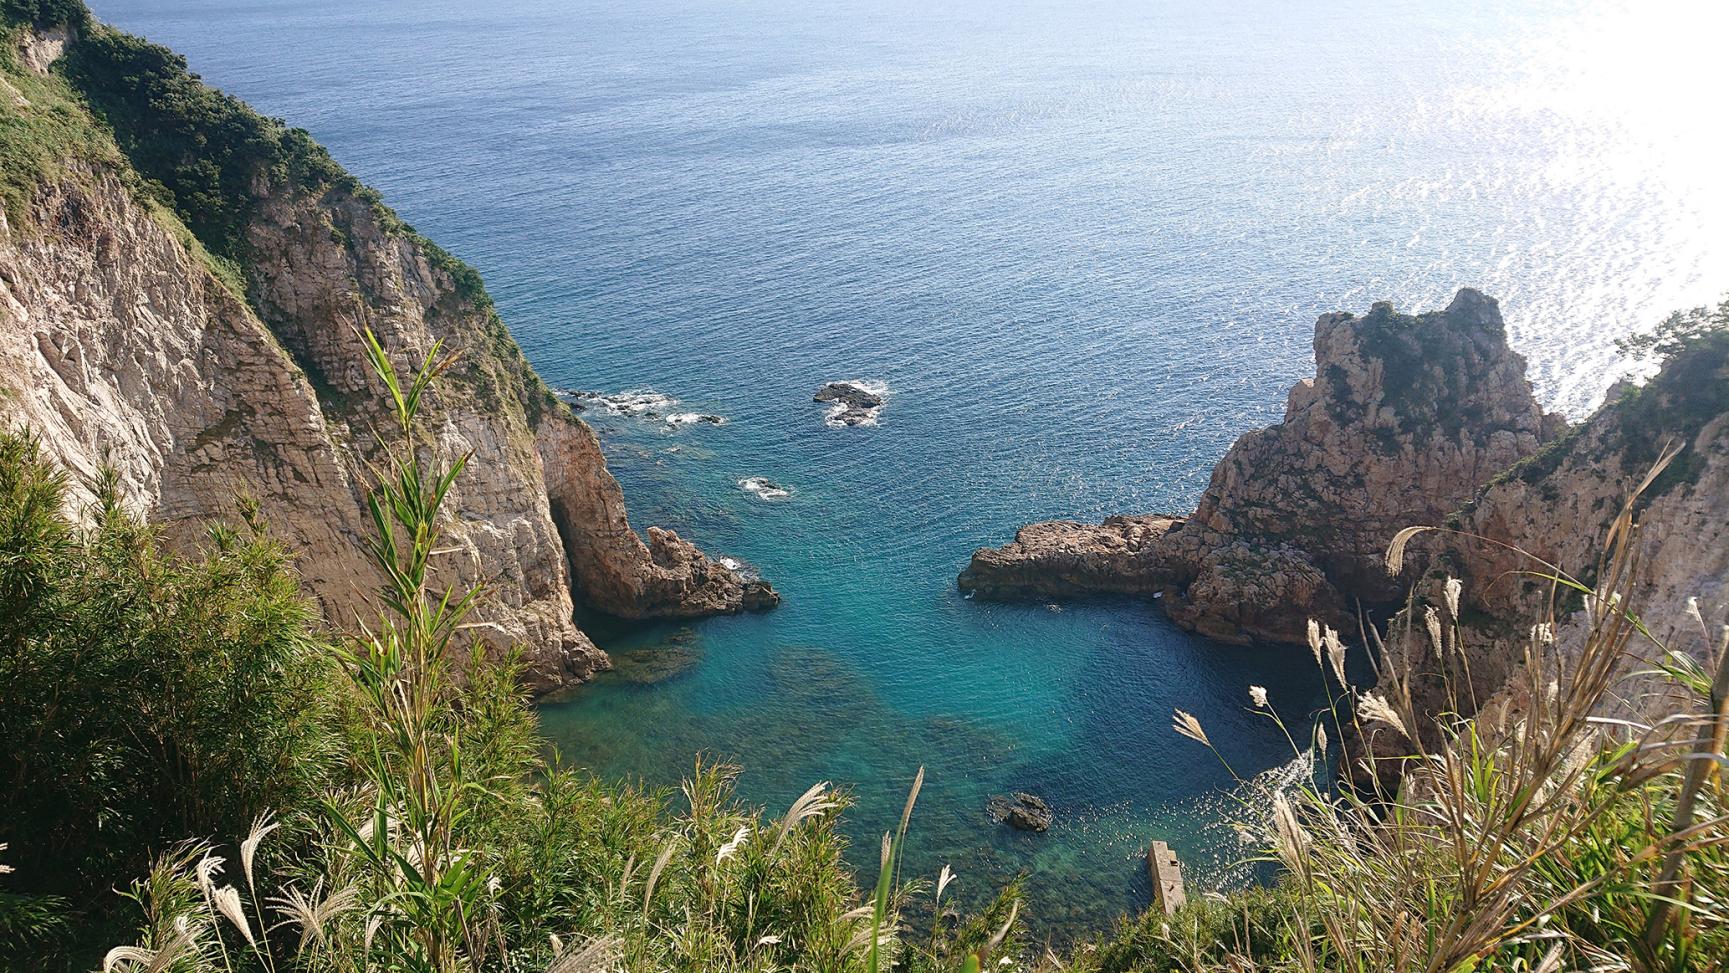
column 208, row 359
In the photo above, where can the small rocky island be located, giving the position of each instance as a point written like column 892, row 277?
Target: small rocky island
column 855, row 403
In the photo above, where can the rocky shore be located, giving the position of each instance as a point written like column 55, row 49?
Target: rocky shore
column 1425, row 420
column 1061, row 558
column 1405, row 418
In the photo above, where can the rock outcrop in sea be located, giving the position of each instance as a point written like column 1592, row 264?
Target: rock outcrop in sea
column 124, row 343
column 1405, row 417
column 1125, row 555
column 854, row 403
column 1022, row 811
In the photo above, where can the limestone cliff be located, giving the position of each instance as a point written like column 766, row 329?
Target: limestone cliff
column 1405, row 417
column 182, row 303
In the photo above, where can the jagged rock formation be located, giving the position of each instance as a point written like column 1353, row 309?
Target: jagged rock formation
column 124, row 343
column 1404, row 419
column 1021, row 811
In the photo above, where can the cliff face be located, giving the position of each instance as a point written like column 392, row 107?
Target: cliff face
column 1404, row 419
column 1558, row 505
column 124, row 342
column 1429, row 421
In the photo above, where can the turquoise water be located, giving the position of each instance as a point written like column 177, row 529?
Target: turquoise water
column 1083, row 244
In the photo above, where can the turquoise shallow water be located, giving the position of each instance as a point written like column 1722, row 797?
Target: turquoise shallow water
column 1082, row 243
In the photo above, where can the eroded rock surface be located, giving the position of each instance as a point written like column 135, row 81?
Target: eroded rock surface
column 1557, row 506
column 1063, row 558
column 1406, row 416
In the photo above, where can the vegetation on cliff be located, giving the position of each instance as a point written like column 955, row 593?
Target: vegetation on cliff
column 403, row 814
column 135, row 108
column 43, row 125
column 144, row 697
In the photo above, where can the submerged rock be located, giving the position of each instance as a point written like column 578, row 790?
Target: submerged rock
column 695, row 418
column 644, row 403
column 1022, row 811
column 855, row 403
column 652, row 665
column 638, row 404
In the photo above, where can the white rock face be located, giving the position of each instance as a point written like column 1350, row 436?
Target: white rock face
column 119, row 348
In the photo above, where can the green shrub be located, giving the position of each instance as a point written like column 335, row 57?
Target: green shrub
column 208, row 152
column 145, row 697
column 44, row 13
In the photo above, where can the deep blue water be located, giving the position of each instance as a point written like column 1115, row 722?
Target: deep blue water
column 1083, row 244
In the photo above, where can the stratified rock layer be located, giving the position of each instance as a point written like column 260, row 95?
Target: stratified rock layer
column 1405, row 417
column 120, row 346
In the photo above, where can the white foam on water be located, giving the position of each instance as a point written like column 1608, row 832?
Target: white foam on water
column 631, row 402
column 692, row 418
column 740, row 568
column 871, row 385
column 764, row 488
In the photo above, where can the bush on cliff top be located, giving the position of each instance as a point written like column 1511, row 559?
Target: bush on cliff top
column 205, row 152
column 202, row 153
column 209, row 156
column 45, row 13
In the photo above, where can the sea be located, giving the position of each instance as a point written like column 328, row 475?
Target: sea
column 1079, row 245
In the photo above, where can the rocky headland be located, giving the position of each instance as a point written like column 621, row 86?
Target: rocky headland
column 1404, row 418
column 183, row 303
column 1421, row 420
